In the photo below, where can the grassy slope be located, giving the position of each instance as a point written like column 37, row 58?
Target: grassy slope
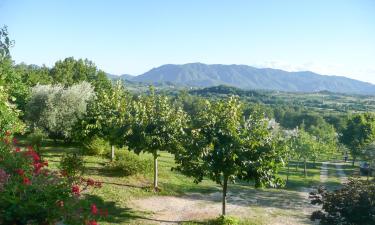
column 117, row 191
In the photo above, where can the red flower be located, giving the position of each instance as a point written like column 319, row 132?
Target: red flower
column 20, row 172
column 75, row 190
column 37, row 167
column 26, row 181
column 93, row 222
column 18, row 149
column 94, row 209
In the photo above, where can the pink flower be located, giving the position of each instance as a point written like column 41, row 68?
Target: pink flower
column 15, row 141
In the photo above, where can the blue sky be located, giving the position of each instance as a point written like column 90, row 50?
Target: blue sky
column 327, row 36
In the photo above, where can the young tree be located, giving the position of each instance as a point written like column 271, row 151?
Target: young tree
column 360, row 131
column 224, row 146
column 305, row 147
column 108, row 116
column 156, row 125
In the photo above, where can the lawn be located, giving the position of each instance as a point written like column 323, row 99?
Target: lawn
column 118, row 191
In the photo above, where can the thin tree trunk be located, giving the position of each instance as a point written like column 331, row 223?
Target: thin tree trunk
column 112, row 153
column 156, row 171
column 304, row 169
column 287, row 174
column 297, row 164
column 225, row 188
column 353, row 161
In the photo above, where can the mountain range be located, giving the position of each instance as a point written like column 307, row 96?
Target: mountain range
column 248, row 77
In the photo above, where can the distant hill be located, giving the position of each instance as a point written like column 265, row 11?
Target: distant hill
column 247, row 77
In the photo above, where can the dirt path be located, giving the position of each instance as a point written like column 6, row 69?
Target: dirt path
column 279, row 207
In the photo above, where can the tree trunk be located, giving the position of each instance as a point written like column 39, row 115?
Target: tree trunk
column 287, row 173
column 304, row 169
column 314, row 166
column 155, row 170
column 297, row 164
column 353, row 161
column 112, row 153
column 225, row 188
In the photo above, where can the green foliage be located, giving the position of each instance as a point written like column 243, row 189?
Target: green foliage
column 5, row 43
column 359, row 132
column 225, row 220
column 224, row 146
column 156, row 125
column 35, row 139
column 71, row 71
column 57, row 110
column 128, row 163
column 108, row 115
column 72, row 165
column 352, row 204
column 96, row 146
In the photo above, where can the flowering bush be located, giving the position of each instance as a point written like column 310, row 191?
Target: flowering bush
column 30, row 193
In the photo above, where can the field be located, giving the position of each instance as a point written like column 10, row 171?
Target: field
column 130, row 200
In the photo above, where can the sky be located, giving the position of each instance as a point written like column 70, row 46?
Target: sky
column 335, row 37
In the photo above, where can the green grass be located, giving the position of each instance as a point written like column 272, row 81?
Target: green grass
column 117, row 191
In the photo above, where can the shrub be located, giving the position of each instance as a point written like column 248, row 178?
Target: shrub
column 352, row 204
column 35, row 139
column 225, row 220
column 128, row 163
column 96, row 146
column 32, row 194
column 72, row 165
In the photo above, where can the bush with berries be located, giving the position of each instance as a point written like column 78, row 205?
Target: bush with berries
column 30, row 193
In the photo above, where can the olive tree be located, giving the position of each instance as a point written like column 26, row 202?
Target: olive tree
column 156, row 125
column 225, row 146
column 56, row 109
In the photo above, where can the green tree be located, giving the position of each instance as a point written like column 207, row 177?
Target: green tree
column 360, row 131
column 108, row 116
column 156, row 125
column 10, row 88
column 305, row 147
column 224, row 146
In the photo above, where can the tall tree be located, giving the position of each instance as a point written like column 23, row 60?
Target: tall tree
column 360, row 131
column 224, row 146
column 156, row 125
